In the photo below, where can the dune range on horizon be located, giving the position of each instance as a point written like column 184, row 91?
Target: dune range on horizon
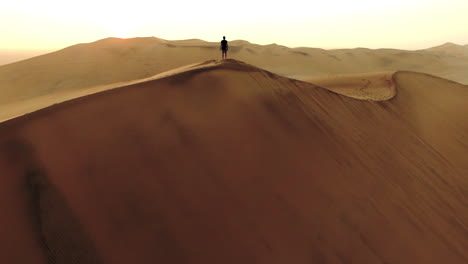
column 114, row 60
column 225, row 162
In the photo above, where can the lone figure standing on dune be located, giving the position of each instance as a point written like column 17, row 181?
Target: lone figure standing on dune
column 224, row 47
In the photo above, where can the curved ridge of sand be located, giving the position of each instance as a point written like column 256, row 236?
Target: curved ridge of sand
column 232, row 164
column 22, row 107
column 365, row 86
column 378, row 86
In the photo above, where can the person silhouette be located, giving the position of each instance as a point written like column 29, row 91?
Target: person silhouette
column 224, row 47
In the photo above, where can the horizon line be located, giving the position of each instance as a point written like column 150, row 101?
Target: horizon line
column 274, row 43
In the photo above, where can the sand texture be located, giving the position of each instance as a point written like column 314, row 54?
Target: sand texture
column 224, row 162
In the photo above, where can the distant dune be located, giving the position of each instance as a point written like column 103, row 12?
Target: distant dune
column 224, row 162
column 11, row 56
column 114, row 60
column 450, row 49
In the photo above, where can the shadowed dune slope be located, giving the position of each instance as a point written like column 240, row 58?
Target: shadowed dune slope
column 119, row 60
column 229, row 163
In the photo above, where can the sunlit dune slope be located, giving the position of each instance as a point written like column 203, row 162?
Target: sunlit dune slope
column 119, row 60
column 229, row 163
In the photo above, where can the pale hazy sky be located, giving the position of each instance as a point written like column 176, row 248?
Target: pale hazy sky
column 405, row 24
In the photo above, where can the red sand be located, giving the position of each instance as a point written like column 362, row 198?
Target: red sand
column 232, row 164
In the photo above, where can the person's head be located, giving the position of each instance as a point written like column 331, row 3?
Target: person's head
column 224, row 37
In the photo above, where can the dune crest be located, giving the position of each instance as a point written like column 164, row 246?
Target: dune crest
column 365, row 86
column 22, row 107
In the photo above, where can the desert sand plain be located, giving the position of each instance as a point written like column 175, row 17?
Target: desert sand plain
column 153, row 151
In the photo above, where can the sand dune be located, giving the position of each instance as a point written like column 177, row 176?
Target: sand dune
column 450, row 49
column 228, row 163
column 114, row 60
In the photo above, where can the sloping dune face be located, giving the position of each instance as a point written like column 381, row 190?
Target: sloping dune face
column 231, row 164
